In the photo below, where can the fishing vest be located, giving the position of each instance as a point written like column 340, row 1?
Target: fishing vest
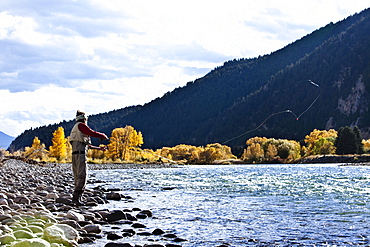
column 77, row 135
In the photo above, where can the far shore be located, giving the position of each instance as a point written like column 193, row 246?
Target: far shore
column 350, row 159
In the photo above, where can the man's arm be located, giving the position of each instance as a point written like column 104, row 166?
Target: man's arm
column 88, row 131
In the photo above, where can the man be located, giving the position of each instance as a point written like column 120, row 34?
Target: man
column 80, row 140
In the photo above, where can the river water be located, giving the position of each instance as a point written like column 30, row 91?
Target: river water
column 251, row 205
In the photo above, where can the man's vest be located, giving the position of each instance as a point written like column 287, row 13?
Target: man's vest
column 77, row 135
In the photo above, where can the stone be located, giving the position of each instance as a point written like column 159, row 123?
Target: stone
column 22, row 200
column 23, row 234
column 115, row 215
column 118, row 245
column 36, row 242
column 2, row 195
column 93, row 228
column 6, row 239
column 60, row 233
column 170, row 235
column 144, row 233
column 173, row 245
column 141, row 216
column 147, row 212
column 179, row 240
column 130, row 217
column 35, row 229
column 113, row 196
column 138, row 225
column 73, row 215
column 52, row 196
column 63, row 200
column 4, row 201
column 71, row 223
column 158, row 231
column 113, row 236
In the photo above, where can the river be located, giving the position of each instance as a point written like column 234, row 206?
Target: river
column 250, row 205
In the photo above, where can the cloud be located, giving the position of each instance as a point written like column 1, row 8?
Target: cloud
column 57, row 56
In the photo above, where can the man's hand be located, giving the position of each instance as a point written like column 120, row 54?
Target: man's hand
column 103, row 148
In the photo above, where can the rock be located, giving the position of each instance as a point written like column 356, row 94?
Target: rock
column 2, row 195
column 170, row 235
column 52, row 196
column 141, row 216
column 63, row 200
column 179, row 240
column 158, row 232
column 173, row 245
column 23, row 234
column 113, row 236
column 3, row 201
column 71, row 214
column 35, row 242
column 35, row 229
column 131, row 231
column 6, row 239
column 22, row 200
column 113, row 196
column 71, row 223
column 93, row 228
column 60, row 233
column 144, row 233
column 5, row 217
column 130, row 217
column 118, row 245
column 115, row 215
column 147, row 212
column 138, row 225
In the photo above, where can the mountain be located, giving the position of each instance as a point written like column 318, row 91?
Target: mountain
column 322, row 78
column 5, row 140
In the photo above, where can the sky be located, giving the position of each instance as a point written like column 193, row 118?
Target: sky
column 60, row 56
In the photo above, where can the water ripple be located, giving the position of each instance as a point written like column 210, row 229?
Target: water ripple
column 265, row 205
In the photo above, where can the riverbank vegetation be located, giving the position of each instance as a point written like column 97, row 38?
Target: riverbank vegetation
column 124, row 147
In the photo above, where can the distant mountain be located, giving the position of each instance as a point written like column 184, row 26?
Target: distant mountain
column 239, row 96
column 5, row 140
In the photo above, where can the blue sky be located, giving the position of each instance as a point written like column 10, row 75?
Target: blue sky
column 57, row 56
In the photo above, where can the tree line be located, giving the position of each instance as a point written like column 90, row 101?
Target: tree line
column 125, row 146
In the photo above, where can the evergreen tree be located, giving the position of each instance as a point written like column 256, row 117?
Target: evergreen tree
column 359, row 144
column 346, row 142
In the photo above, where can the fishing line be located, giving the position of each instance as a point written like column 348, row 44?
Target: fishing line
column 277, row 113
column 313, row 102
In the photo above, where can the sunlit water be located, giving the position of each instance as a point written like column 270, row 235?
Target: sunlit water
column 251, row 205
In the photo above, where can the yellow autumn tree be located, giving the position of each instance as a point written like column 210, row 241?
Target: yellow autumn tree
column 321, row 142
column 59, row 148
column 124, row 143
column 215, row 151
column 254, row 153
column 366, row 145
column 36, row 151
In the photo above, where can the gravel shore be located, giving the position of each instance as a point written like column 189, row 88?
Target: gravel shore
column 36, row 210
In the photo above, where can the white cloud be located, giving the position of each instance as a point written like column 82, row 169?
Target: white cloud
column 100, row 55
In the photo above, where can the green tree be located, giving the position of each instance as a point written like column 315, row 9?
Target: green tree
column 359, row 144
column 346, row 142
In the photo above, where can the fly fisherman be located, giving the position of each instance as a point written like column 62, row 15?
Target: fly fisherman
column 80, row 140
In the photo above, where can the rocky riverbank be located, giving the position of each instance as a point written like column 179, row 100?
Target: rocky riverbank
column 350, row 159
column 36, row 210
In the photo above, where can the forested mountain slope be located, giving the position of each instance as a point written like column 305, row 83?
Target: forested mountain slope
column 238, row 96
